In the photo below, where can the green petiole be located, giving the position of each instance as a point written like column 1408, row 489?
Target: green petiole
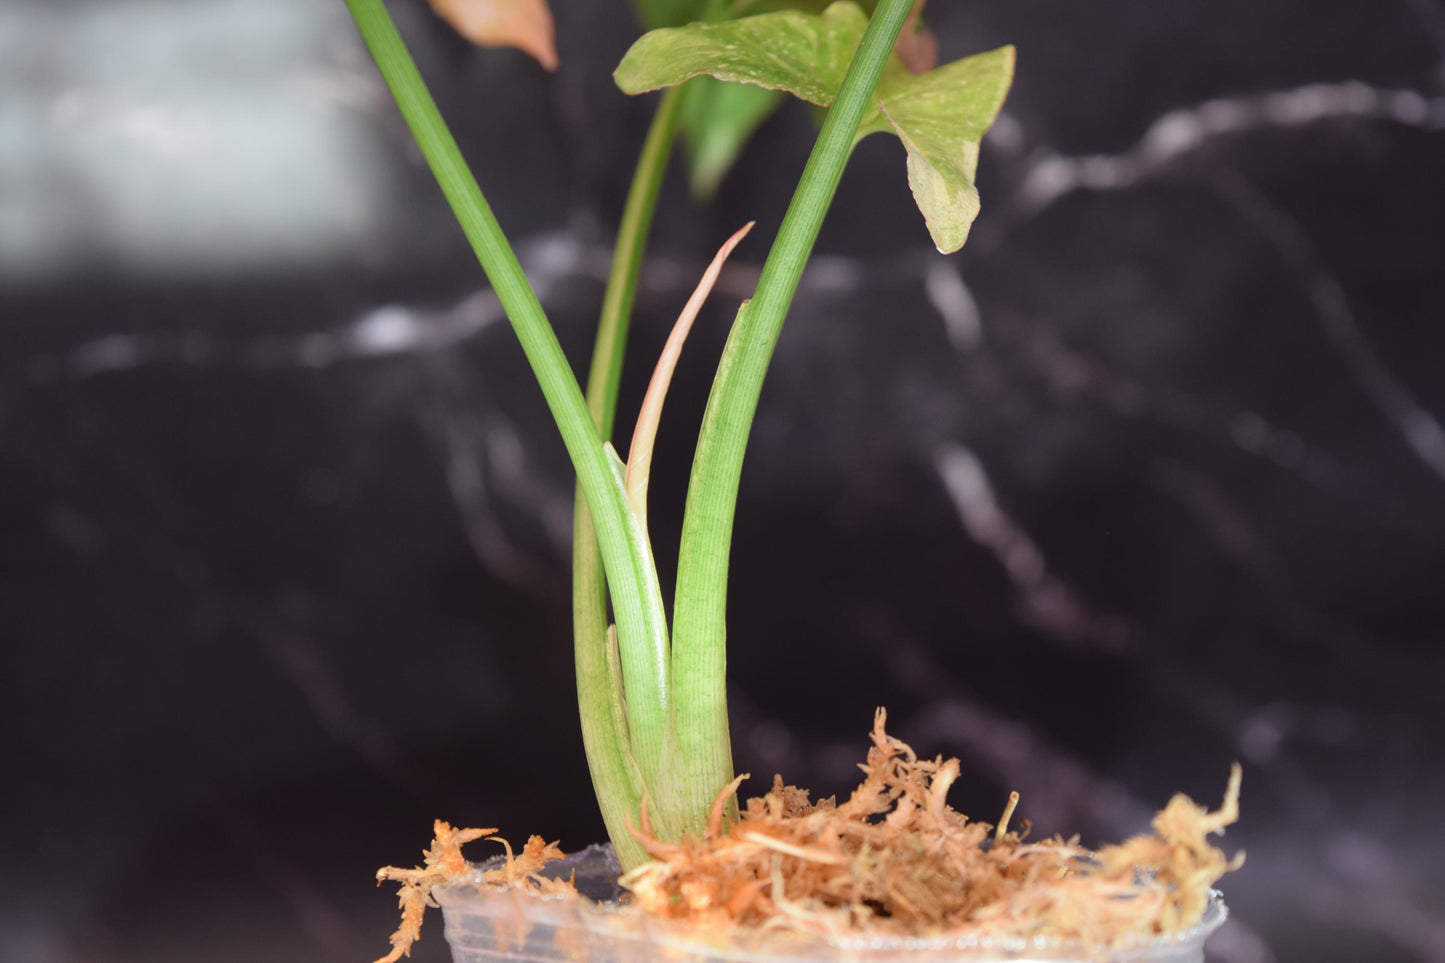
column 697, row 754
column 616, row 779
column 636, row 597
column 654, row 720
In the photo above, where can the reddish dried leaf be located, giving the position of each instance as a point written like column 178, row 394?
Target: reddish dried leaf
column 524, row 24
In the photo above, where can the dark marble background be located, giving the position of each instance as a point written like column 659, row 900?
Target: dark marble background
column 1149, row 478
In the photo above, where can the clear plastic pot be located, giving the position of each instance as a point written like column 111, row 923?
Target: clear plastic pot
column 486, row 926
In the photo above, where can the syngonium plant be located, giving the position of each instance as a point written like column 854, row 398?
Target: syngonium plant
column 652, row 693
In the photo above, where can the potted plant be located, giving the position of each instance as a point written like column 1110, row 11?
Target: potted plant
column 893, row 865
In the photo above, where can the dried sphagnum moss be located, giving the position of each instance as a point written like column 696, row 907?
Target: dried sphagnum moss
column 895, row 859
column 892, row 860
column 444, row 863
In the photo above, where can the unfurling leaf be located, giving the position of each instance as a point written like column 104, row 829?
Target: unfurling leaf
column 524, row 24
column 940, row 116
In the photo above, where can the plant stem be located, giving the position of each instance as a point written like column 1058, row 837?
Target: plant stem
column 636, row 597
column 697, row 756
column 612, row 326
column 614, row 774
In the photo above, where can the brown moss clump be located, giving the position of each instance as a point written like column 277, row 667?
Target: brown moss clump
column 895, row 859
column 892, row 860
column 444, row 863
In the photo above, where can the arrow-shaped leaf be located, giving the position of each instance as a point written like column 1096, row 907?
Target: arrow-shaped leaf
column 940, row 116
column 805, row 54
column 718, row 119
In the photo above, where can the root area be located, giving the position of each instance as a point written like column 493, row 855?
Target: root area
column 893, row 859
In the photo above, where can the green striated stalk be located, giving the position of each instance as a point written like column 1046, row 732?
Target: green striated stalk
column 636, row 597
column 615, row 776
column 653, row 726
column 697, row 754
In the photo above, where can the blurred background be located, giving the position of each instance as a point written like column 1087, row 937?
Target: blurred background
column 1149, row 478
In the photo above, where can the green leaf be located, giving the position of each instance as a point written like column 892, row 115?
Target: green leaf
column 802, row 53
column 718, row 119
column 940, row 116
